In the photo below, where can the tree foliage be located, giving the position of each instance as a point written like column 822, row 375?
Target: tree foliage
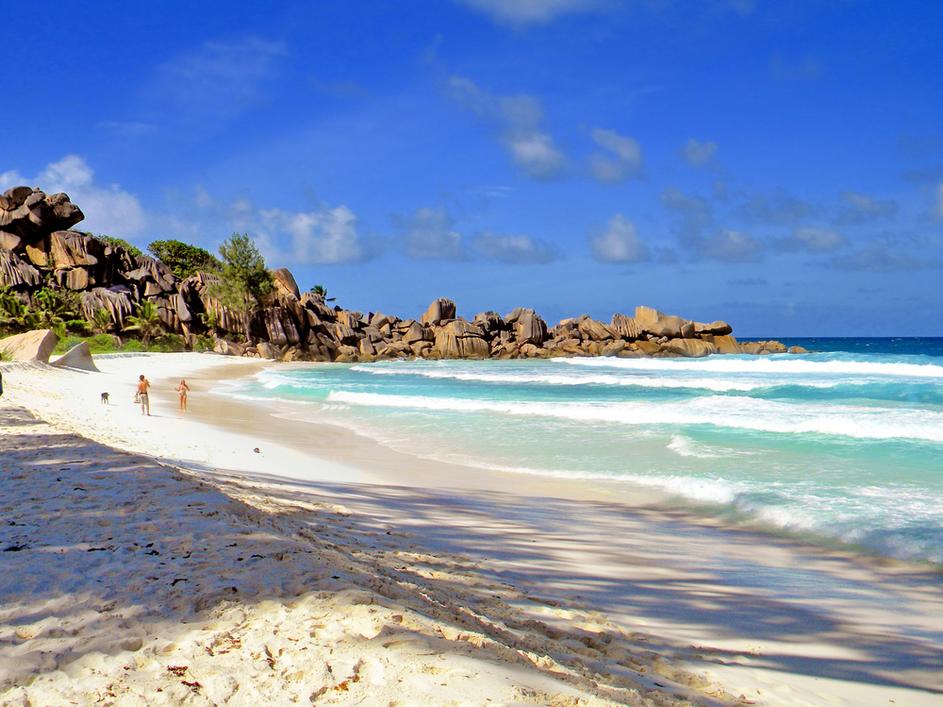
column 182, row 258
column 57, row 310
column 146, row 322
column 120, row 243
column 244, row 279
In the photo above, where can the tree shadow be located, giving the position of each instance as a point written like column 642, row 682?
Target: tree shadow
column 569, row 582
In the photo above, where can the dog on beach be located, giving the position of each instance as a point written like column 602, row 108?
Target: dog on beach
column 104, row 399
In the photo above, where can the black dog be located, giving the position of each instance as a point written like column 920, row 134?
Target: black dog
column 104, row 399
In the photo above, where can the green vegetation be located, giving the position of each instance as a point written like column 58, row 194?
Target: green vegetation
column 184, row 259
column 244, row 280
column 168, row 343
column 101, row 321
column 97, row 344
column 146, row 322
column 57, row 310
column 320, row 291
column 14, row 315
column 120, row 243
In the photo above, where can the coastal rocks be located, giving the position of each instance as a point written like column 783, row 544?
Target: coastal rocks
column 228, row 348
column 115, row 300
column 30, row 213
column 285, row 283
column 528, row 327
column 689, row 348
column 594, row 331
column 459, row 339
column 626, row 327
column 32, row 346
column 651, row 321
column 797, row 350
column 16, row 272
column 440, row 310
column 78, row 357
column 762, row 348
column 718, row 328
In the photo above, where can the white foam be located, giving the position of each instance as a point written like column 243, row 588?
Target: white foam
column 722, row 411
column 763, row 364
column 513, row 378
column 685, row 447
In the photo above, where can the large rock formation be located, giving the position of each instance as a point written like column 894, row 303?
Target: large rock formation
column 78, row 357
column 40, row 248
column 30, row 346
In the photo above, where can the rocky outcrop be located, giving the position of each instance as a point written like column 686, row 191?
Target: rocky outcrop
column 78, row 357
column 30, row 346
column 440, row 310
column 40, row 248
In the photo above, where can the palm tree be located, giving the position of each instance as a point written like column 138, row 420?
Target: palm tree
column 320, row 291
column 14, row 315
column 101, row 320
column 146, row 322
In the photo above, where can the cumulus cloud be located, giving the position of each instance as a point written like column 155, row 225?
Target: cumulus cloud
column 731, row 246
column 619, row 243
column 812, row 240
column 516, row 249
column 700, row 235
column 519, row 122
column 108, row 208
column 857, row 209
column 429, row 234
column 775, row 209
column 878, row 257
column 698, row 154
column 327, row 235
column 524, row 12
column 622, row 160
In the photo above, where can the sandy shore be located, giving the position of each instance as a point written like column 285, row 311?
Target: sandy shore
column 525, row 589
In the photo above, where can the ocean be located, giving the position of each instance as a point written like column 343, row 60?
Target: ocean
column 842, row 445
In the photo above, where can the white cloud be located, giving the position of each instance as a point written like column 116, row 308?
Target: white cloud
column 623, row 161
column 731, row 246
column 519, row 122
column 697, row 153
column 522, row 12
column 326, row 235
column 619, row 243
column 429, row 234
column 108, row 208
column 515, row 249
column 11, row 178
column 217, row 80
column 857, row 209
column 820, row 238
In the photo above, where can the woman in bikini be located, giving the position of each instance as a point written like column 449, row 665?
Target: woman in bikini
column 143, row 386
column 182, row 391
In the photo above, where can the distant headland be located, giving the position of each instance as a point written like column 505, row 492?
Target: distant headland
column 71, row 282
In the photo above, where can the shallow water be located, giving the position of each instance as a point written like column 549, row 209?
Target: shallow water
column 844, row 444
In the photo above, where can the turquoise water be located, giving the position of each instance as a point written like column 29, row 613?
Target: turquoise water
column 840, row 445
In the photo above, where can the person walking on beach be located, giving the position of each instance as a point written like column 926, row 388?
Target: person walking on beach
column 182, row 391
column 143, row 386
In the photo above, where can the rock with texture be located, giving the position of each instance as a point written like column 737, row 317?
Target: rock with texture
column 32, row 346
column 441, row 310
column 79, row 357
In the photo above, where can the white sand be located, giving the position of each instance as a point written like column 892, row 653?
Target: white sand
column 440, row 597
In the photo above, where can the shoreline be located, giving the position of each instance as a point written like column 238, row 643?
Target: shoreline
column 385, row 464
column 771, row 618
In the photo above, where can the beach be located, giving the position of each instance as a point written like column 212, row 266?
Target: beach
column 329, row 567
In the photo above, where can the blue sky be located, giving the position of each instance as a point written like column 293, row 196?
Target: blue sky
column 779, row 167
